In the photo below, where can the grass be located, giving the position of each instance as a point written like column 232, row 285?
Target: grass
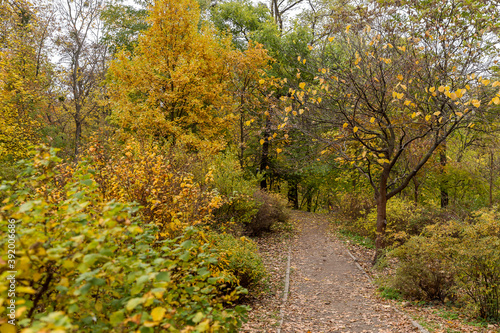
column 356, row 239
column 390, row 293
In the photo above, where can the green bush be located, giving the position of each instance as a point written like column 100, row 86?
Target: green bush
column 88, row 265
column 459, row 259
column 423, row 271
column 241, row 258
column 231, row 182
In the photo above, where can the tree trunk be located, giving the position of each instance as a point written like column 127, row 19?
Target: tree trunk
column 416, row 186
column 293, row 193
column 491, row 180
column 444, row 182
column 78, row 134
column 381, row 199
column 264, row 161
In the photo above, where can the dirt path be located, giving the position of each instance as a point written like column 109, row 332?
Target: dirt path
column 328, row 293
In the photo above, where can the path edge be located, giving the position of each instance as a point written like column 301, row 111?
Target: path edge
column 286, row 291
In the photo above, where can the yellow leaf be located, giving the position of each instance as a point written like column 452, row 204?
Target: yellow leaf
column 402, row 48
column 345, row 125
column 304, row 61
column 355, row 129
column 428, row 117
column 247, row 123
column 413, row 115
column 476, row 103
column 453, row 96
column 309, row 47
column 261, row 81
column 158, row 313
column 278, row 150
column 400, row 77
column 485, row 82
column 298, row 75
column 407, row 102
column 467, row 87
column 441, row 89
column 390, row 45
column 301, row 111
column 298, row 58
column 432, row 89
column 27, row 290
column 496, row 100
column 294, row 113
column 437, row 113
column 319, row 100
column 459, row 114
column 496, row 84
column 372, row 120
column 302, row 85
column 262, row 141
column 330, row 39
column 347, row 29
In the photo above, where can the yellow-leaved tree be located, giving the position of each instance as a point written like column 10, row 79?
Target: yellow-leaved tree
column 175, row 86
column 23, row 76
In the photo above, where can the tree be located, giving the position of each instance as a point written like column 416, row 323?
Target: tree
column 410, row 73
column 83, row 55
column 174, row 86
column 24, row 75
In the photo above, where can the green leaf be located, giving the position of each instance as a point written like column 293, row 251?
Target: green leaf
column 26, row 206
column 198, row 317
column 116, row 318
column 163, row 276
column 133, row 303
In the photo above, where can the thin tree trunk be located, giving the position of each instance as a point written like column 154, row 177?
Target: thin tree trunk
column 381, row 199
column 444, row 183
column 264, row 161
column 293, row 193
column 491, row 176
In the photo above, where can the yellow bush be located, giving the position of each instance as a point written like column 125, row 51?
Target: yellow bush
column 148, row 175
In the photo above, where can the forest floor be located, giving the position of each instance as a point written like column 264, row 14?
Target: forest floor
column 328, row 293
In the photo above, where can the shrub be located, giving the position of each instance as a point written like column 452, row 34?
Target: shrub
column 149, row 175
column 272, row 210
column 477, row 261
column 458, row 257
column 239, row 207
column 352, row 206
column 90, row 265
column 404, row 219
column 241, row 259
column 423, row 271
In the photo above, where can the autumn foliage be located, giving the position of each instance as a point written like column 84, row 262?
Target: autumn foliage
column 175, row 86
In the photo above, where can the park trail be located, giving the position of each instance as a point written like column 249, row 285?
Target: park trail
column 328, row 293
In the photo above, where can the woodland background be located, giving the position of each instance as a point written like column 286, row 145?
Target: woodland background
column 141, row 145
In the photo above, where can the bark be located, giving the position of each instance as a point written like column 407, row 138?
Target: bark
column 492, row 178
column 381, row 199
column 444, row 183
column 264, row 161
column 416, row 186
column 293, row 193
